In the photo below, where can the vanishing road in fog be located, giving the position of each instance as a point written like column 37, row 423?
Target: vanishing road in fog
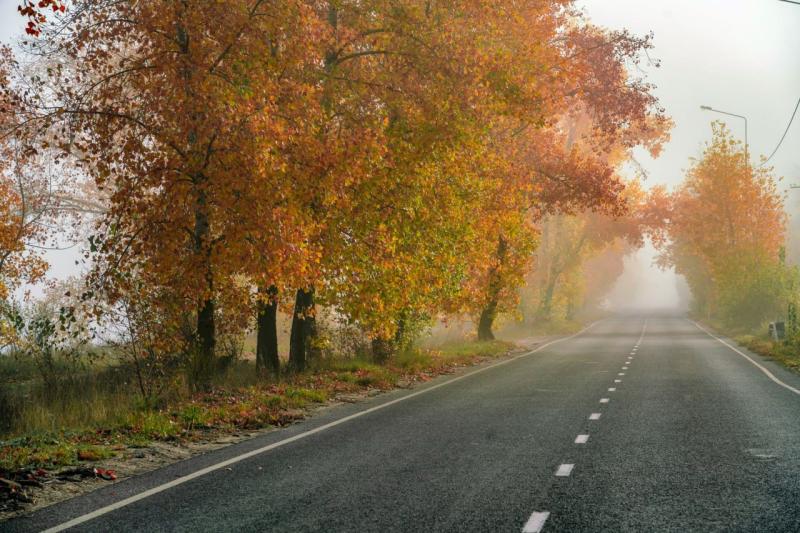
column 620, row 428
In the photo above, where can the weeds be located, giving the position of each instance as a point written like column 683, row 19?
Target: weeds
column 105, row 413
column 785, row 353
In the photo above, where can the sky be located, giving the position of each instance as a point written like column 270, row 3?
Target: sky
column 740, row 56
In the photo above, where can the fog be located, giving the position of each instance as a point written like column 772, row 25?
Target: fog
column 734, row 55
column 643, row 287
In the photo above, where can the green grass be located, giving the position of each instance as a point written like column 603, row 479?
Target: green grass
column 466, row 350
column 91, row 415
column 50, row 450
column 784, row 353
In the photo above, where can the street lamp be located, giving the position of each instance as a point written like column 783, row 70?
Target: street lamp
column 746, row 156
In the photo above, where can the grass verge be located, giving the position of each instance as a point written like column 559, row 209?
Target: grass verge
column 242, row 401
column 786, row 354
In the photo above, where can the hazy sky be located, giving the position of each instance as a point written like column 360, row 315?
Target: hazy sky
column 741, row 56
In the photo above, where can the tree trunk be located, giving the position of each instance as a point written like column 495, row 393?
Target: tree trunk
column 486, row 322
column 382, row 350
column 489, row 313
column 304, row 331
column 206, row 326
column 267, row 335
column 401, row 339
column 546, row 305
column 206, row 337
column 203, row 363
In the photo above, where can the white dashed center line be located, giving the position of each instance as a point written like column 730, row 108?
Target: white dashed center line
column 612, row 389
column 595, row 416
column 617, row 381
column 536, row 522
column 621, row 374
column 604, row 400
column 624, row 368
column 564, row 470
column 581, row 439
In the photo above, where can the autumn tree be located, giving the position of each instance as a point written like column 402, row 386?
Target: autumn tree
column 726, row 231
column 598, row 112
column 182, row 111
column 30, row 188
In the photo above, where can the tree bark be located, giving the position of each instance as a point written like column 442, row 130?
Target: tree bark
column 546, row 305
column 489, row 313
column 304, row 331
column 206, row 307
column 382, row 350
column 267, row 333
column 486, row 322
column 206, row 337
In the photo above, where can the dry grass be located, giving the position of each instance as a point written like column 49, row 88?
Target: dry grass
column 785, row 353
column 93, row 414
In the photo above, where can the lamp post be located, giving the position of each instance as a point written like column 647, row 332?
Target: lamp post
column 746, row 156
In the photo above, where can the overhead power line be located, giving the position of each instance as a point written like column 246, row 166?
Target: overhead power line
column 785, row 132
column 791, row 2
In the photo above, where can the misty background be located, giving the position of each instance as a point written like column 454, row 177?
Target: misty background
column 735, row 55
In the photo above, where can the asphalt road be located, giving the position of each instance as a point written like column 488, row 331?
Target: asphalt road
column 693, row 437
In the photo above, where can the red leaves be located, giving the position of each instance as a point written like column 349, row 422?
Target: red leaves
column 108, row 475
column 35, row 13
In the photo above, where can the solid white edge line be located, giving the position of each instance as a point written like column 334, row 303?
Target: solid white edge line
column 535, row 523
column 564, row 470
column 769, row 374
column 203, row 471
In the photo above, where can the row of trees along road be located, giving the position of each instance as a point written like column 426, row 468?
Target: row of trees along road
column 724, row 233
column 390, row 160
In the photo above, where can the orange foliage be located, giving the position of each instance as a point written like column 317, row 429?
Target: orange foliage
column 725, row 232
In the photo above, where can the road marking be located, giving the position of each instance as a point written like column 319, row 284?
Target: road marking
column 595, row 416
column 617, row 381
column 564, row 470
column 644, row 329
column 621, row 374
column 769, row 374
column 581, row 439
column 624, row 368
column 536, row 522
column 612, row 389
column 604, row 400
column 233, row 460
